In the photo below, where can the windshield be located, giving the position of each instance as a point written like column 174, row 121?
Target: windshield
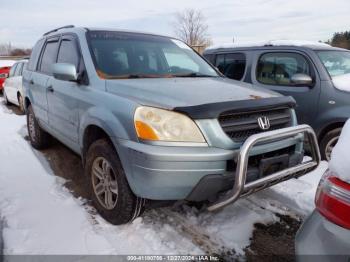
column 127, row 55
column 337, row 63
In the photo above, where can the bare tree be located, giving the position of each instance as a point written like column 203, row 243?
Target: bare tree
column 5, row 49
column 190, row 26
column 20, row 52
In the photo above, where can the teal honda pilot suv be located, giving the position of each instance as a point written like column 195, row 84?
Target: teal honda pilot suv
column 152, row 120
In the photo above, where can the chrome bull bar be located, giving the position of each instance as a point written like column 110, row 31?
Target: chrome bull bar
column 240, row 188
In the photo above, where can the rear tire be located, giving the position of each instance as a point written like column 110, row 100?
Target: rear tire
column 37, row 136
column 108, row 186
column 328, row 142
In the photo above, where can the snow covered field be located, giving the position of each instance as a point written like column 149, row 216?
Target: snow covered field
column 41, row 216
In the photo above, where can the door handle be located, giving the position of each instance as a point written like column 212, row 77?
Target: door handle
column 50, row 89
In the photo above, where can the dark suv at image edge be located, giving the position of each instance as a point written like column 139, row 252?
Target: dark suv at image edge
column 316, row 75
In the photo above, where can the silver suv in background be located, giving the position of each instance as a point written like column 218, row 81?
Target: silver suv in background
column 152, row 120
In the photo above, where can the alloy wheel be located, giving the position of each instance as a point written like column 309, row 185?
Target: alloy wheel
column 104, row 183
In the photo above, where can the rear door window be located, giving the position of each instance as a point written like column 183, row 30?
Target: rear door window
column 231, row 65
column 278, row 68
column 49, row 57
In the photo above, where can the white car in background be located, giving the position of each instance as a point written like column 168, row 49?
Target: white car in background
column 13, row 88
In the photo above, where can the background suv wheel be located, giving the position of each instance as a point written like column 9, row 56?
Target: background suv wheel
column 328, row 142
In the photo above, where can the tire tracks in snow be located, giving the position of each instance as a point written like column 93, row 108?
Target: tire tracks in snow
column 198, row 236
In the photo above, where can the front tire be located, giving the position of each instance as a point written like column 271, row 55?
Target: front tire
column 108, row 186
column 328, row 142
column 37, row 136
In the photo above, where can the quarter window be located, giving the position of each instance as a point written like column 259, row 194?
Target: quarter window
column 49, row 57
column 278, row 68
column 68, row 53
column 232, row 65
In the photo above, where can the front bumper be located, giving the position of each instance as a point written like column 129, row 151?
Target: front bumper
column 172, row 173
column 320, row 240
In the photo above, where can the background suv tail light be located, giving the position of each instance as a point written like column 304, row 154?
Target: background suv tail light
column 333, row 199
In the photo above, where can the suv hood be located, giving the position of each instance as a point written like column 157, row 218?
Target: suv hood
column 170, row 93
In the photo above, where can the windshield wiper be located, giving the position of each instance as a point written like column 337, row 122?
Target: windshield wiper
column 193, row 75
column 133, row 76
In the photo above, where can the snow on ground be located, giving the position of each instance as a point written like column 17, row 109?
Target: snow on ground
column 296, row 194
column 42, row 217
column 234, row 224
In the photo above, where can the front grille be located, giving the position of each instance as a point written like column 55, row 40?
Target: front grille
column 240, row 125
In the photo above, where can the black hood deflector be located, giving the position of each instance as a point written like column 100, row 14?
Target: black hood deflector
column 213, row 110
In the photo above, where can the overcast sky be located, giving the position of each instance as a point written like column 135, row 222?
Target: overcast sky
column 24, row 21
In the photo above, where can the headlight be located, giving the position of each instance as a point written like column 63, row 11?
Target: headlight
column 163, row 125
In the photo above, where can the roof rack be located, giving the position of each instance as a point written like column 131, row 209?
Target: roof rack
column 54, row 30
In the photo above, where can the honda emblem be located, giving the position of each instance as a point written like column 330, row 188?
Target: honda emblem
column 264, row 123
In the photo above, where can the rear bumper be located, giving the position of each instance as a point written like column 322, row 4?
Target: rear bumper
column 176, row 173
column 320, row 240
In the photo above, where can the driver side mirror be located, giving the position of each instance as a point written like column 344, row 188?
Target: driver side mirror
column 65, row 72
column 301, row 80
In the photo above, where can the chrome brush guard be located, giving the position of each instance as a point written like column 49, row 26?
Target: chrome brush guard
column 241, row 188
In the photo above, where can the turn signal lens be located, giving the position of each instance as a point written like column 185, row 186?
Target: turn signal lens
column 144, row 131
